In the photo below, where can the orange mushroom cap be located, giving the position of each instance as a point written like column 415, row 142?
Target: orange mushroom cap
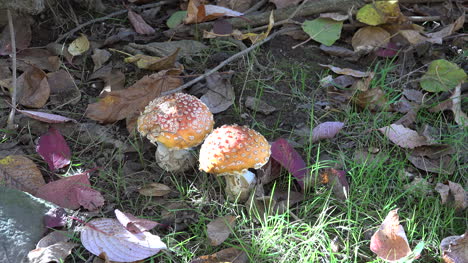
column 231, row 149
column 177, row 120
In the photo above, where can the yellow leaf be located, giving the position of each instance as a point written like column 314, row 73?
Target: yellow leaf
column 253, row 37
column 153, row 63
column 379, row 12
column 79, row 46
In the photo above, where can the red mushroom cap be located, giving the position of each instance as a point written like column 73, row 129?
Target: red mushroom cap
column 177, row 120
column 231, row 149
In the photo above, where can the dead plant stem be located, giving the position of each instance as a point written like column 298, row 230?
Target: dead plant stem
column 13, row 88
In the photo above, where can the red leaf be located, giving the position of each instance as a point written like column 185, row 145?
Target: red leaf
column 55, row 217
column 140, row 26
column 53, row 148
column 72, row 192
column 46, row 117
column 389, row 51
column 290, row 159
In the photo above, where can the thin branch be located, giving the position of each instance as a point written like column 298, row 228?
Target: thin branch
column 117, row 13
column 225, row 62
column 13, row 89
column 256, row 7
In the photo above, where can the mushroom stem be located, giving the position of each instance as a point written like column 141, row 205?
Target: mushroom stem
column 173, row 160
column 238, row 185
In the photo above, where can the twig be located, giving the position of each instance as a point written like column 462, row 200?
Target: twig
column 255, row 7
column 117, row 13
column 227, row 61
column 423, row 18
column 13, row 88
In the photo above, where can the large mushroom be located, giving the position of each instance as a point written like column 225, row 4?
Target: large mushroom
column 230, row 151
column 176, row 123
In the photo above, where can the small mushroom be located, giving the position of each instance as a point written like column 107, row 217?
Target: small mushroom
column 230, row 151
column 176, row 123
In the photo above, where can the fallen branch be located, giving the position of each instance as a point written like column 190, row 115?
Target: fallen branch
column 227, row 61
column 13, row 88
column 311, row 8
column 117, row 13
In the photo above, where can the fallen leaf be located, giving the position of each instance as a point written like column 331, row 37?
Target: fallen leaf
column 373, row 99
column 290, row 159
column 254, row 37
column 238, row 5
column 379, row 12
column 390, row 242
column 460, row 117
column 409, row 118
column 220, row 95
column 78, row 46
column 231, row 255
column 437, row 37
column 433, row 151
column 258, row 105
column 337, row 180
column 442, row 165
column 414, row 95
column 17, row 171
column 370, row 38
column 123, row 34
column 337, row 51
column 197, row 12
column 23, row 35
column 106, row 235
column 34, row 88
column 54, row 253
column 323, row 30
column 326, row 130
column 60, row 50
column 139, row 24
column 127, row 103
column 154, row 189
column 134, row 224
column 454, row 249
column 442, row 75
column 153, row 63
column 389, row 51
column 63, row 89
column 38, row 57
column 219, row 229
column 269, row 172
column 53, row 148
column 113, row 78
column 419, row 186
column 454, row 194
column 46, row 117
column 188, row 48
column 342, row 81
column 100, row 57
column 347, row 71
column 403, row 137
column 413, row 37
column 53, row 238
column 55, row 217
column 285, row 3
column 72, row 192
column 335, row 16
column 177, row 18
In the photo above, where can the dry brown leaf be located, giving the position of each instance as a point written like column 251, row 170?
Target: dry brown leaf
column 228, row 255
column 219, row 229
column 348, row 71
column 403, row 137
column 153, row 63
column 460, row 117
column 139, row 24
column 100, row 56
column 238, row 5
column 414, row 37
column 128, row 103
column 198, row 12
column 390, row 242
column 372, row 99
column 454, row 194
column 433, row 151
column 62, row 88
column 154, row 189
column 23, row 36
column 442, row 165
column 437, row 37
column 285, row 3
column 455, row 249
column 34, row 88
column 220, row 95
column 38, row 57
column 370, row 38
column 17, row 171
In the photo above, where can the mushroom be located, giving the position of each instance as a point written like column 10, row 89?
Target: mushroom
column 230, row 151
column 176, row 123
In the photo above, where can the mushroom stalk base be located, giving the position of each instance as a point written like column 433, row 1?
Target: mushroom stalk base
column 174, row 160
column 238, row 186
